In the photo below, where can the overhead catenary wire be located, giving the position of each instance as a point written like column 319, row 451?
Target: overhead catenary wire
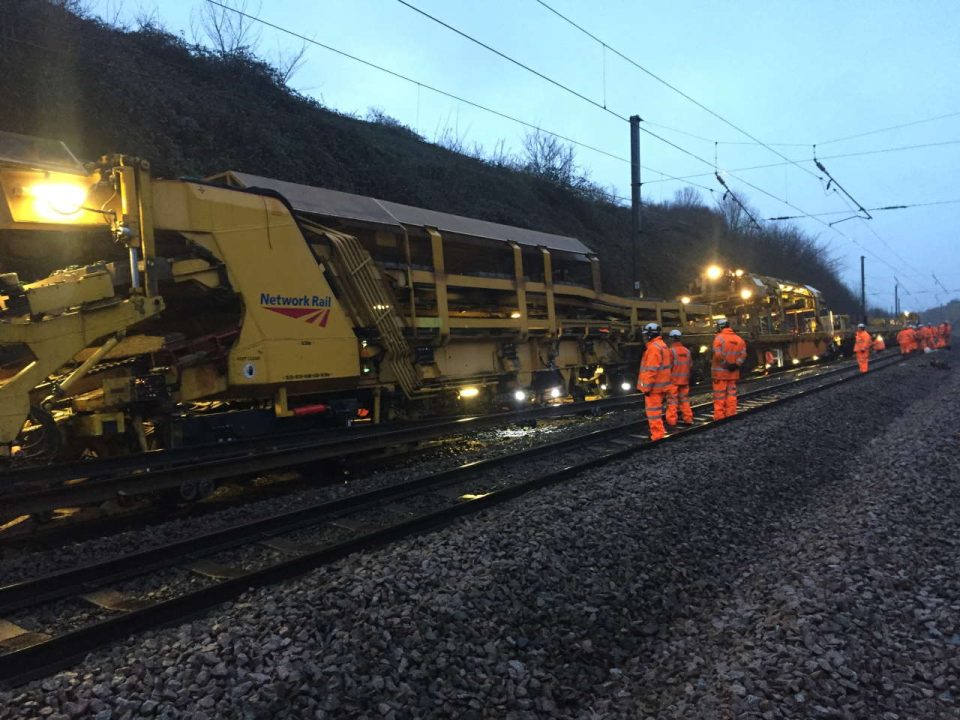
column 848, row 137
column 445, row 93
column 879, row 151
column 833, row 180
column 743, row 207
column 882, row 208
column 669, row 85
column 555, row 83
column 645, row 130
column 891, row 127
column 583, row 97
column 509, row 59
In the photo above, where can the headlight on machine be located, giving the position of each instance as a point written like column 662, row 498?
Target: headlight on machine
column 58, row 201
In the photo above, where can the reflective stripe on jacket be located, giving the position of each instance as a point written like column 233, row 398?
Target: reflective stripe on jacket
column 863, row 342
column 680, row 373
column 728, row 349
column 655, row 367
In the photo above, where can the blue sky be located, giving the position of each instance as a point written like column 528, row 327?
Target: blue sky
column 797, row 73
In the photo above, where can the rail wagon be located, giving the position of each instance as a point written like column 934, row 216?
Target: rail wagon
column 785, row 323
column 140, row 312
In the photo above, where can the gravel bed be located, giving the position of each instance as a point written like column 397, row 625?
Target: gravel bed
column 797, row 564
column 19, row 565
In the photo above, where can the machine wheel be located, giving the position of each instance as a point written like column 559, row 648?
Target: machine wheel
column 186, row 493
column 206, row 487
column 189, row 491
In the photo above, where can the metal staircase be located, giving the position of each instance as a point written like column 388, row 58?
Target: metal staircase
column 371, row 300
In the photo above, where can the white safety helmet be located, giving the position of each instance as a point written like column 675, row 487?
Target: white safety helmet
column 722, row 323
column 861, row 326
column 675, row 334
column 651, row 329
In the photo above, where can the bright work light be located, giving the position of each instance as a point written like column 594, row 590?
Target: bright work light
column 58, row 201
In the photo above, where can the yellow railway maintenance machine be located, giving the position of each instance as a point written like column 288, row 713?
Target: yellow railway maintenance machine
column 781, row 320
column 196, row 311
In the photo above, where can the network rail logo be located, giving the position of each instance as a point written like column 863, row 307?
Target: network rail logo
column 313, row 309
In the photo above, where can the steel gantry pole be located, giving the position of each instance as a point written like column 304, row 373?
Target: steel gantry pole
column 635, row 201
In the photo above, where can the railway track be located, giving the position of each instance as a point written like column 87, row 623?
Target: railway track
column 42, row 489
column 195, row 472
column 206, row 570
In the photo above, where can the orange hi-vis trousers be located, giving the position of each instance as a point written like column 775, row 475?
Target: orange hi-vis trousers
column 863, row 361
column 653, row 404
column 724, row 398
column 678, row 396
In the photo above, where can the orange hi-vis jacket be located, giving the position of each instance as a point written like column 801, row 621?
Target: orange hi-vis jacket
column 941, row 335
column 728, row 349
column 879, row 344
column 682, row 362
column 655, row 367
column 917, row 339
column 926, row 336
column 863, row 342
column 905, row 339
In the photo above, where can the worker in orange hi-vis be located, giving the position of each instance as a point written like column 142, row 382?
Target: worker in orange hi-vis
column 946, row 334
column 654, row 378
column 878, row 344
column 904, row 338
column 678, row 396
column 941, row 336
column 861, row 347
column 926, row 337
column 729, row 353
column 917, row 339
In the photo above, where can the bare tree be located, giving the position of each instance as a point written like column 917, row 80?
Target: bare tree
column 148, row 18
column 547, row 156
column 227, row 30
column 288, row 62
column 500, row 156
column 735, row 213
column 450, row 137
column 687, row 197
column 77, row 7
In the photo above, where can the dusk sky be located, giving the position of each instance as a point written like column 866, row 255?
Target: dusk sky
column 791, row 74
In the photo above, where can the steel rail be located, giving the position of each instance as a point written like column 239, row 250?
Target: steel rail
column 19, row 501
column 185, row 456
column 27, row 663
column 247, row 461
column 66, row 583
